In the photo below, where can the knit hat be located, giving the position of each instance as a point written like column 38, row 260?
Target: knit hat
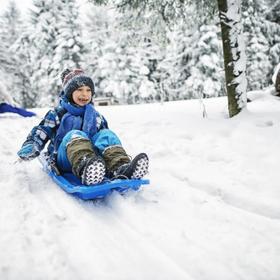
column 74, row 79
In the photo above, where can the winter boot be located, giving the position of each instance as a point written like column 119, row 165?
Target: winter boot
column 86, row 165
column 119, row 164
column 136, row 169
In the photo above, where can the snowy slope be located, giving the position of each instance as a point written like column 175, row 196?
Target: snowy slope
column 212, row 210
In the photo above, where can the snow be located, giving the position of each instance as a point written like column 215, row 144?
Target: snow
column 211, row 211
column 4, row 95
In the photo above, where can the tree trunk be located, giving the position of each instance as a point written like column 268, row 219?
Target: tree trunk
column 234, row 54
column 277, row 80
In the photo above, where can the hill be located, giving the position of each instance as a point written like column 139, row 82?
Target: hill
column 211, row 212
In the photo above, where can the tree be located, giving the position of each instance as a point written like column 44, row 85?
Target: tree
column 69, row 49
column 55, row 37
column 174, row 69
column 272, row 30
column 122, row 56
column 259, row 66
column 230, row 20
column 234, row 54
column 43, row 32
column 28, row 97
column 273, row 11
column 11, row 27
column 205, row 67
column 192, row 65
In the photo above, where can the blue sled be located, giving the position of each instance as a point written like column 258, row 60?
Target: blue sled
column 7, row 108
column 72, row 185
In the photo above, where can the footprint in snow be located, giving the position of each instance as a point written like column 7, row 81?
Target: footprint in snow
column 265, row 124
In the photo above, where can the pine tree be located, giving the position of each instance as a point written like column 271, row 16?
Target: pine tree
column 122, row 62
column 273, row 35
column 174, row 68
column 10, row 30
column 234, row 55
column 24, row 85
column 70, row 49
column 43, row 31
column 99, row 27
column 192, row 67
column 144, row 37
column 272, row 31
column 257, row 45
column 205, row 64
column 273, row 10
column 56, row 35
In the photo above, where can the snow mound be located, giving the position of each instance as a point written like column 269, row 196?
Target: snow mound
column 211, row 212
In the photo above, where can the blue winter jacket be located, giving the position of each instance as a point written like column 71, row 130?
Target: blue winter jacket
column 48, row 127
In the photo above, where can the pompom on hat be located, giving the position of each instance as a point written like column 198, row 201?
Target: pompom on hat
column 74, row 79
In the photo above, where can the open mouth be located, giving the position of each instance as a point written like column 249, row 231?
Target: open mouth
column 83, row 99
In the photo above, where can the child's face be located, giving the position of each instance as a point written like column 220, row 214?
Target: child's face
column 82, row 95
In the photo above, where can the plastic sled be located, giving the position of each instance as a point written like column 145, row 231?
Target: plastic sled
column 72, row 184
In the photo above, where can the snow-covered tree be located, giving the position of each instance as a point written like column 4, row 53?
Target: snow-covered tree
column 43, row 33
column 234, row 54
column 262, row 40
column 257, row 45
column 145, row 38
column 11, row 27
column 70, row 48
column 99, row 28
column 174, row 68
column 272, row 11
column 206, row 77
column 56, row 34
column 192, row 67
column 273, row 35
column 23, row 47
column 272, row 31
column 122, row 60
column 124, row 74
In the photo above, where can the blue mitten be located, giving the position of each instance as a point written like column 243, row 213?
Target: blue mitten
column 28, row 152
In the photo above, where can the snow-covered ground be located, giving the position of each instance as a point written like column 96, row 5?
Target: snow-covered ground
column 212, row 210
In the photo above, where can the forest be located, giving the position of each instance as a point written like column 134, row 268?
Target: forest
column 139, row 53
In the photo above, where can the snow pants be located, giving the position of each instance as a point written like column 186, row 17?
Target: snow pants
column 100, row 141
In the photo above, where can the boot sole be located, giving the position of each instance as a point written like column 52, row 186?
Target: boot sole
column 94, row 173
column 141, row 168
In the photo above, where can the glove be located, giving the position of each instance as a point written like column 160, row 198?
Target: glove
column 28, row 152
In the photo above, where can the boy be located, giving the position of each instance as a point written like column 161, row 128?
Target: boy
column 80, row 140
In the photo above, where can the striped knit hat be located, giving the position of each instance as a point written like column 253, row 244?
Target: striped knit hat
column 74, row 79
